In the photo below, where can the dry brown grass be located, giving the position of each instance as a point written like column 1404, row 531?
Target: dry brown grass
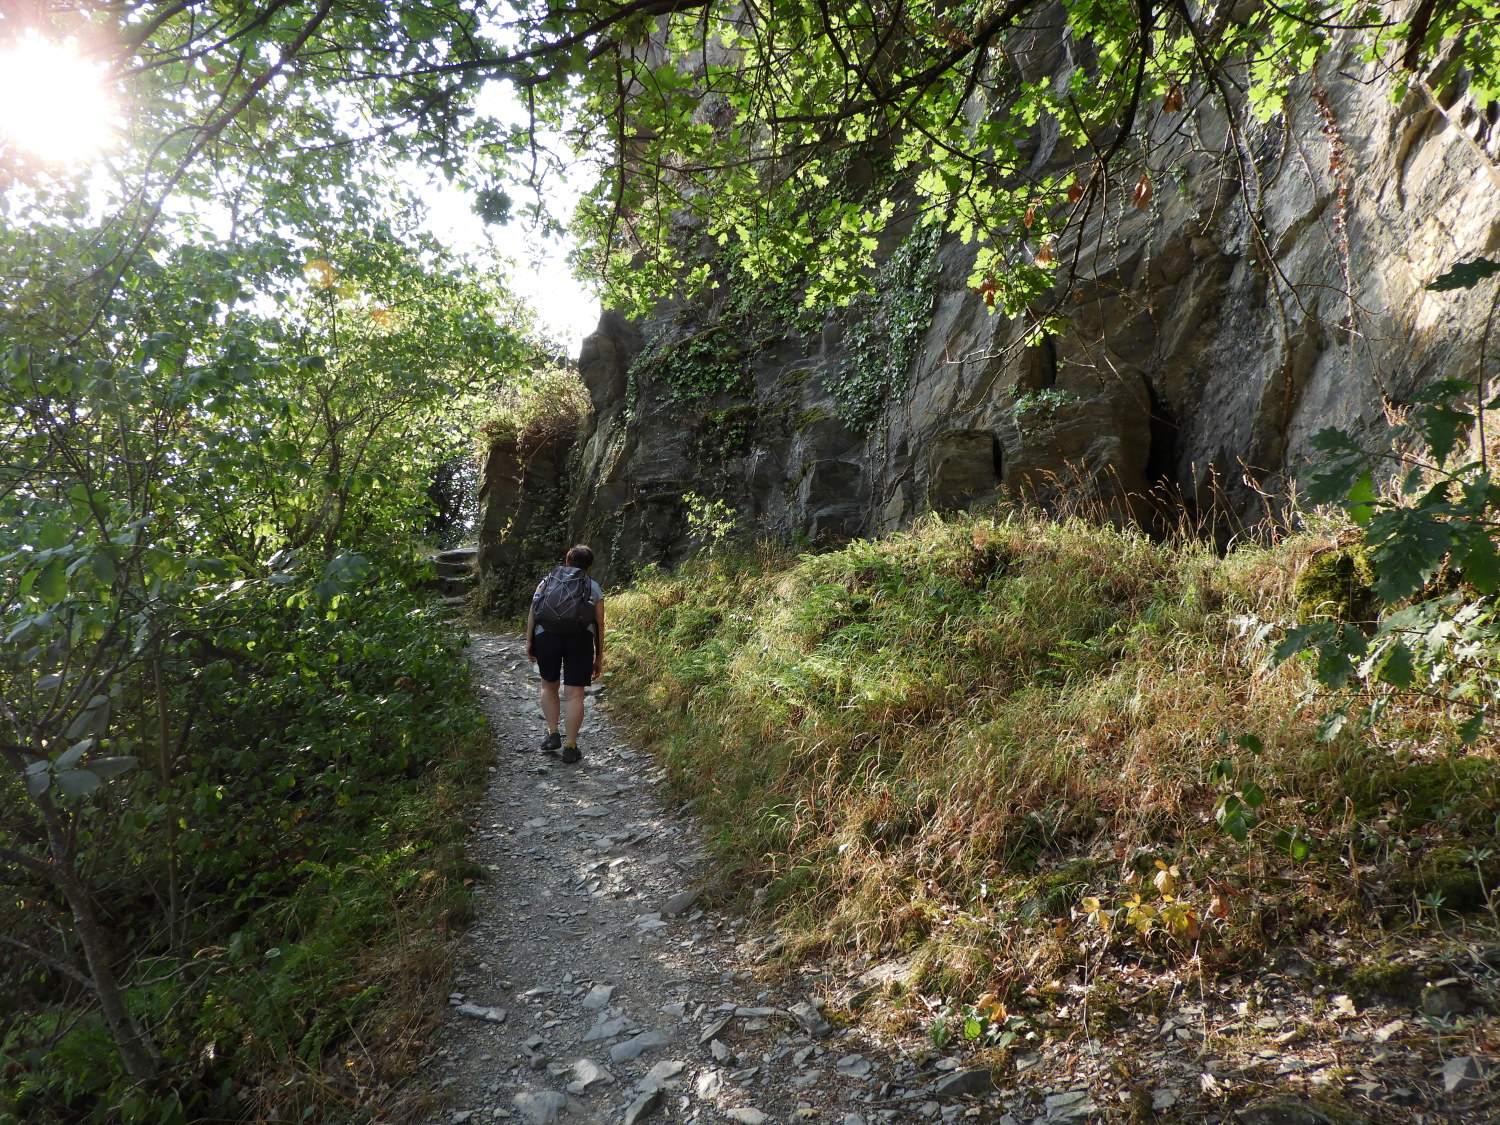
column 941, row 743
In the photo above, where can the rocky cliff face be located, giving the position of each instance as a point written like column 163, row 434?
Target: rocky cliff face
column 1201, row 342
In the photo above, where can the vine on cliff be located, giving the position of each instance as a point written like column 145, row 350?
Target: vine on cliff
column 886, row 329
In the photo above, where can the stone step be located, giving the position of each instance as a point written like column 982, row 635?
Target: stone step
column 459, row 556
column 456, row 569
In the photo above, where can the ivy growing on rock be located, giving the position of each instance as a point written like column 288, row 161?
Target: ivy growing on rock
column 885, row 328
column 697, row 367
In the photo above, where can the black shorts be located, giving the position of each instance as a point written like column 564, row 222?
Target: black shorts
column 572, row 654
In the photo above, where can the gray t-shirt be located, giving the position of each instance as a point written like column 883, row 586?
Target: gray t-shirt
column 595, row 591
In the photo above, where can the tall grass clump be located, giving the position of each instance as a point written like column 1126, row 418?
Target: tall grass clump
column 970, row 741
column 540, row 411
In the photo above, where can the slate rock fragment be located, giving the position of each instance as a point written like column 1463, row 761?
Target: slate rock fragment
column 975, row 1081
column 1463, row 1073
column 811, row 1019
column 680, row 902
column 542, row 1108
column 636, row 1046
column 643, row 1106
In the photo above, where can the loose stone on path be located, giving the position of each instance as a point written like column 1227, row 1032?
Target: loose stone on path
column 637, row 1046
column 598, row 997
column 475, row 1011
column 632, row 999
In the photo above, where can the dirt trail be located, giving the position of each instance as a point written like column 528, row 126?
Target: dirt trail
column 595, row 989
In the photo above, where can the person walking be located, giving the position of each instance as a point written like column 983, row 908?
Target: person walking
column 565, row 637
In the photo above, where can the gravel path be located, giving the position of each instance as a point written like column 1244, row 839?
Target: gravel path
column 594, row 988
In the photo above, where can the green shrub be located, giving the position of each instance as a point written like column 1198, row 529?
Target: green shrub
column 538, row 412
column 318, row 844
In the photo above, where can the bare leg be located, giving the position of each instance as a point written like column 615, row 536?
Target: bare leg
column 550, row 704
column 573, row 712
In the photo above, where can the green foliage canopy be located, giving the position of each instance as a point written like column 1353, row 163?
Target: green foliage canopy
column 227, row 356
column 737, row 125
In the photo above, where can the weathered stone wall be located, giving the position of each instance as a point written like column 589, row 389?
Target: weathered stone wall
column 524, row 497
column 1208, row 337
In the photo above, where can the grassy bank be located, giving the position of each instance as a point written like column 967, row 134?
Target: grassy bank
column 997, row 746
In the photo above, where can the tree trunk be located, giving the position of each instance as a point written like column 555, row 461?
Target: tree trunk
column 136, row 1049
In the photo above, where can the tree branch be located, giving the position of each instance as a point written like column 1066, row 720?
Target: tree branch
column 55, row 964
column 923, row 78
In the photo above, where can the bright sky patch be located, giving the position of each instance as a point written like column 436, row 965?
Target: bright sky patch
column 53, row 102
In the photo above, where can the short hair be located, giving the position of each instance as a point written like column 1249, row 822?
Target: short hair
column 580, row 556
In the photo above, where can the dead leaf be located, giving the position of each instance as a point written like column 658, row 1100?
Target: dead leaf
column 1172, row 101
column 1141, row 199
column 1166, row 878
column 987, row 288
column 992, row 1008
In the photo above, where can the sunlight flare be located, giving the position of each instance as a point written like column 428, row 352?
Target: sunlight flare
column 53, row 101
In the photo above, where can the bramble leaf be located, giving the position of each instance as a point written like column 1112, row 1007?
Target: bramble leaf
column 1408, row 546
column 1470, row 728
column 1332, row 723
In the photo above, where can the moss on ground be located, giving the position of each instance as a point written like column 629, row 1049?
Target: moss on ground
column 1338, row 583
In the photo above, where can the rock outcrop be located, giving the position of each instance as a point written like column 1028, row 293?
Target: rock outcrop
column 1197, row 344
column 524, row 497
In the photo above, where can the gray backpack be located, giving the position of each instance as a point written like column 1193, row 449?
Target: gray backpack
column 565, row 603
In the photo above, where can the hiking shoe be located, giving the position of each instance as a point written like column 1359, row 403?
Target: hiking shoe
column 552, row 743
column 570, row 755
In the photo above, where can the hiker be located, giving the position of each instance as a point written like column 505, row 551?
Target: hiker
column 565, row 634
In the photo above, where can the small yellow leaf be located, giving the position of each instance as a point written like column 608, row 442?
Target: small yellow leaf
column 320, row 273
